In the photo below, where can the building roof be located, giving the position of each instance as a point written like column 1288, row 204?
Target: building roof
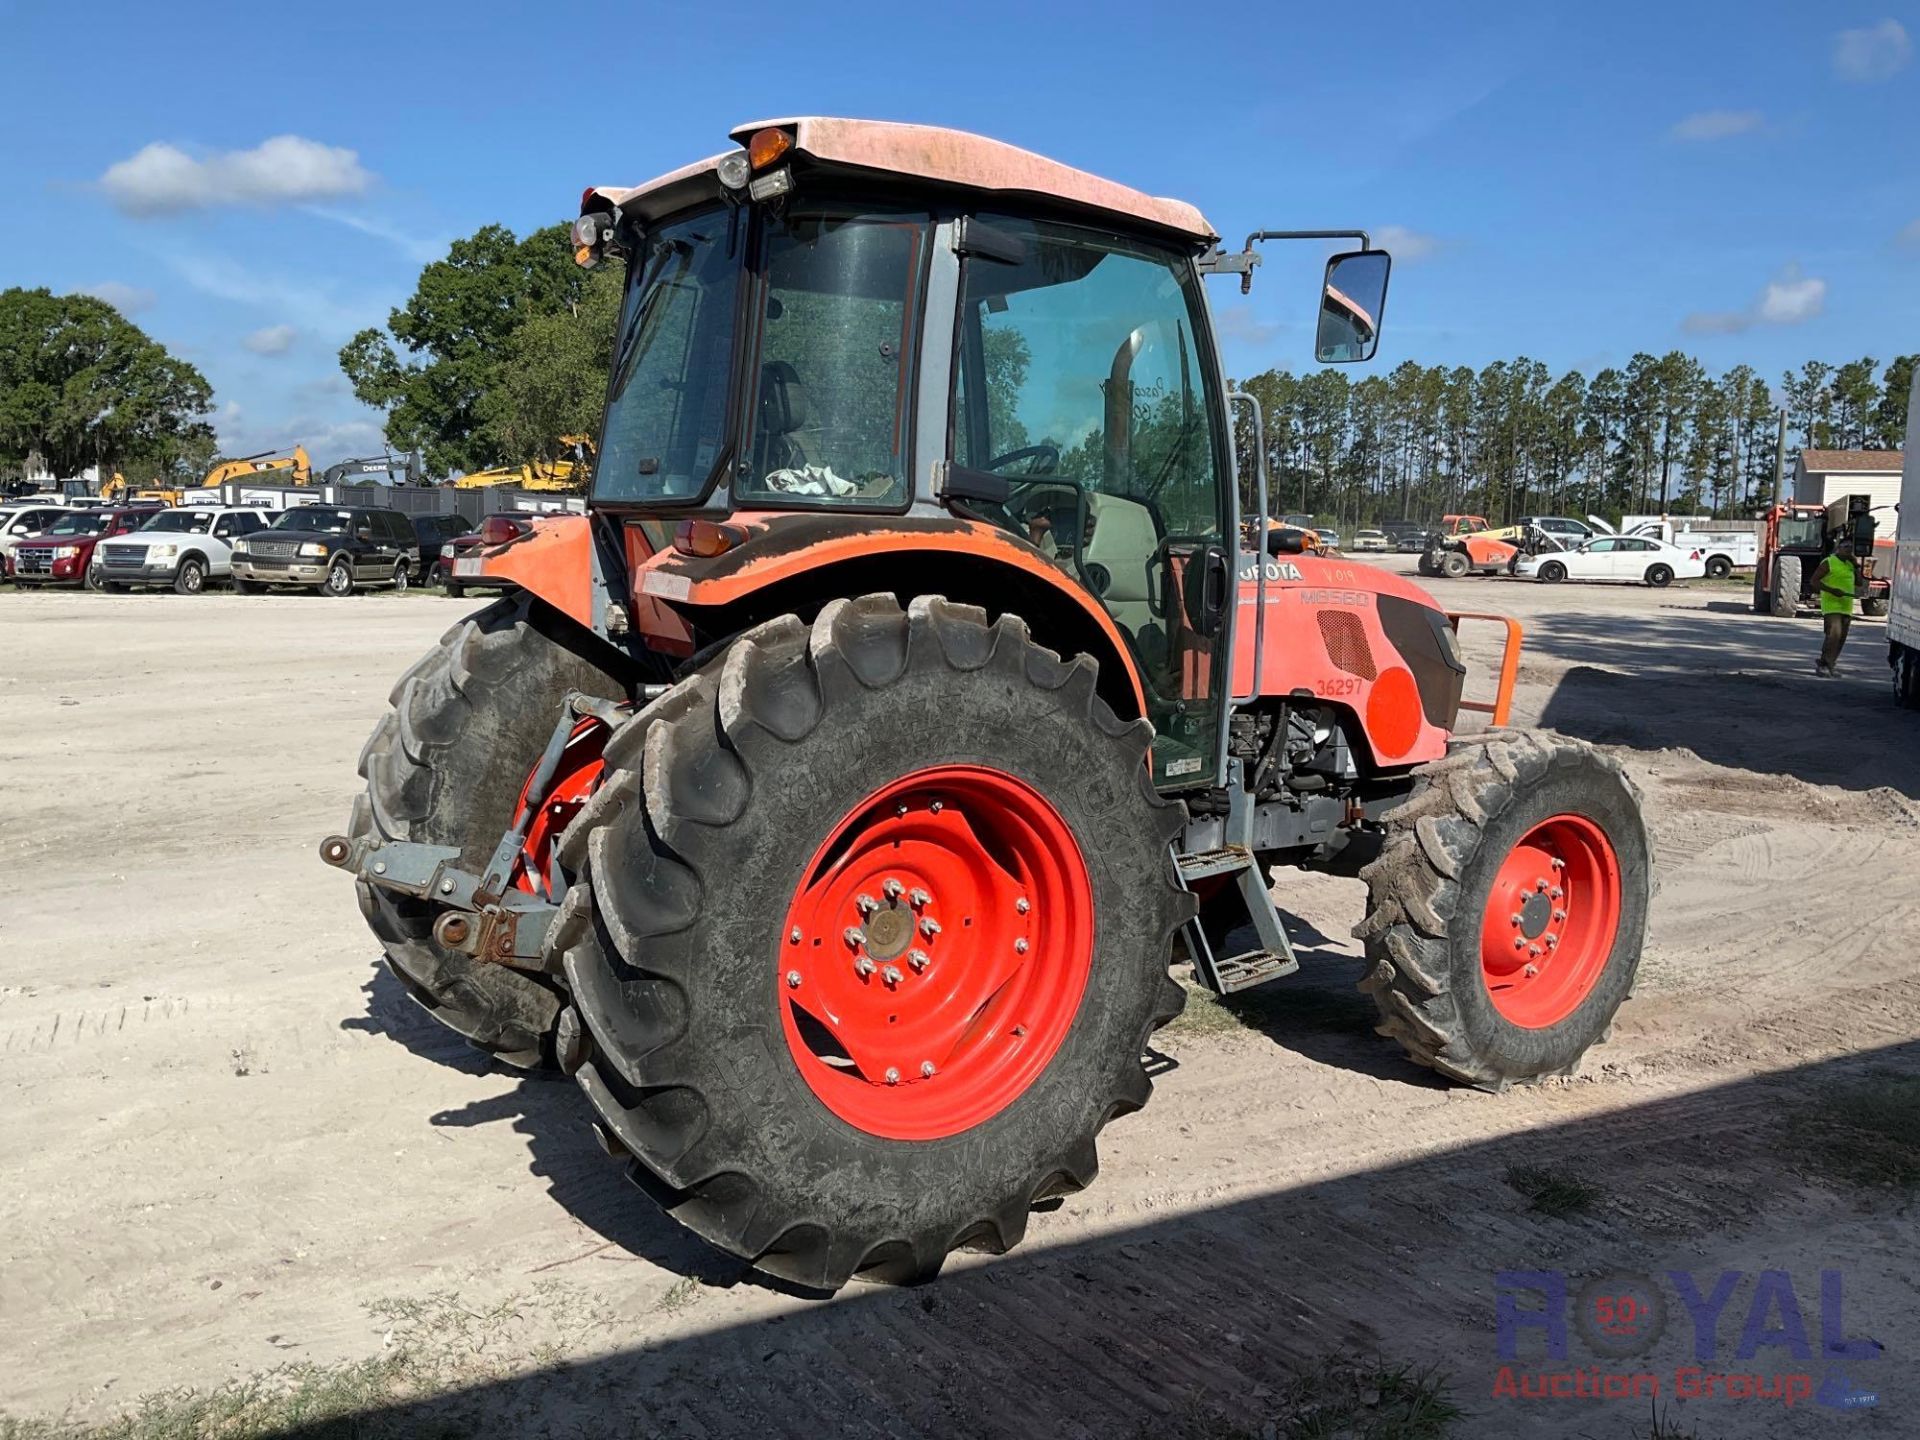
column 928, row 152
column 1872, row 462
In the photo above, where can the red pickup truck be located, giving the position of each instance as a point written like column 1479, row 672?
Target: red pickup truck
column 62, row 554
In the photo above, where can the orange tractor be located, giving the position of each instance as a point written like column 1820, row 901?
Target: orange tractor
column 828, row 799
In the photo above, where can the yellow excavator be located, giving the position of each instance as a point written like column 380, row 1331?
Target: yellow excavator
column 293, row 467
column 566, row 474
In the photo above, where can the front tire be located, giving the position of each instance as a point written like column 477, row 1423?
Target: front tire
column 1508, row 908
column 1553, row 572
column 94, row 579
column 1455, row 565
column 876, row 1093
column 444, row 767
column 1875, row 608
column 1784, row 598
column 339, row 581
column 190, row 578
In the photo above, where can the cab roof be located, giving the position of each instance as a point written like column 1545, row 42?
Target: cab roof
column 921, row 152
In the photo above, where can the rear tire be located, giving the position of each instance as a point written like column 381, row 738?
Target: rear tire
column 402, row 577
column 339, row 581
column 1455, row 565
column 693, row 1048
column 445, row 767
column 1719, row 567
column 248, row 587
column 1659, row 576
column 1874, row 609
column 1440, row 970
column 1783, row 600
column 1906, row 679
column 190, row 578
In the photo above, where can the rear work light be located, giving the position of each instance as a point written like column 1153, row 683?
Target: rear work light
column 705, row 539
column 499, row 530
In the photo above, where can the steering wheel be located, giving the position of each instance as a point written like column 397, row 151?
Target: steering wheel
column 1026, row 452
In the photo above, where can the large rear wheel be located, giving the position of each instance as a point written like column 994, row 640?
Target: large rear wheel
column 879, row 921
column 1455, row 565
column 1784, row 598
column 446, row 766
column 1508, row 908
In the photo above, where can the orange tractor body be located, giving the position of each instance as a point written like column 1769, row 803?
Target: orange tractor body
column 832, row 799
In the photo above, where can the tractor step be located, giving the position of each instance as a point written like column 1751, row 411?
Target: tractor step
column 1256, row 967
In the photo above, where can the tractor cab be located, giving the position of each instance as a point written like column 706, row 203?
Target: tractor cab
column 945, row 337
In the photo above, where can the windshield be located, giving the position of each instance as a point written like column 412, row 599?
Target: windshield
column 838, row 304
column 314, row 518
column 1801, row 532
column 180, row 522
column 79, row 523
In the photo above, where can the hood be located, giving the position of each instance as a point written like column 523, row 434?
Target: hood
column 48, row 542
column 293, row 537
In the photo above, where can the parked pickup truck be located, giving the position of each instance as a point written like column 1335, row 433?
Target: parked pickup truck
column 182, row 548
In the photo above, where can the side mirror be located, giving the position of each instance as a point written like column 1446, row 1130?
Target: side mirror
column 365, row 532
column 1352, row 301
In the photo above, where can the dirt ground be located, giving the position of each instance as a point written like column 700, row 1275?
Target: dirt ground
column 231, row 1143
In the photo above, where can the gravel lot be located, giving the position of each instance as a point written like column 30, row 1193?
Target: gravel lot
column 232, row 1143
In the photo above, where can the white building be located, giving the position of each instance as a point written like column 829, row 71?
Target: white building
column 1822, row 476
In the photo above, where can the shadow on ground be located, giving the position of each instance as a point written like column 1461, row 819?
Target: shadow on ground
column 1211, row 1311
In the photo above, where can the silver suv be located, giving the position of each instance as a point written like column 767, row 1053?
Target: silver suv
column 183, row 548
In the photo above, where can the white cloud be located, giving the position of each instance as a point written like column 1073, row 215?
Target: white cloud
column 1404, row 243
column 127, row 299
column 416, row 247
column 1872, row 53
column 1789, row 299
column 1792, row 298
column 309, row 309
column 1717, row 125
column 162, row 179
column 273, row 340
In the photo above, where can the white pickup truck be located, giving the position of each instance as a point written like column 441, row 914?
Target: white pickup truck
column 183, row 549
column 1724, row 550
column 1903, row 616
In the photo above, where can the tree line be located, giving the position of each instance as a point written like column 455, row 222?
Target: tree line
column 1659, row 435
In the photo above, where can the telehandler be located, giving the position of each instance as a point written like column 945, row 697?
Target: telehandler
column 828, row 798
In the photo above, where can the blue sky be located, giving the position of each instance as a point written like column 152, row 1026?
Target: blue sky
column 1738, row 179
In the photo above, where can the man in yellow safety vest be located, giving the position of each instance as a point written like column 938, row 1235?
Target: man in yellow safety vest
column 1836, row 582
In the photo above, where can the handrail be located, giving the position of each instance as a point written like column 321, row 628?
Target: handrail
column 1260, row 558
column 1502, row 707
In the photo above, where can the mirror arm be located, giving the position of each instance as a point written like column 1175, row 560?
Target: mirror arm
column 1218, row 262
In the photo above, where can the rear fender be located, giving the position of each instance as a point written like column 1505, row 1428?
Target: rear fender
column 794, row 563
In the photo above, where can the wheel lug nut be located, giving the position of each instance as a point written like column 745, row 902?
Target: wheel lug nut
column 1519, row 942
column 1558, row 863
column 936, row 807
column 854, row 936
column 930, row 927
column 1020, row 1030
column 1555, row 893
column 919, row 960
column 893, row 1076
column 891, row 889
column 1533, row 950
column 919, row 899
column 866, row 904
column 901, row 811
column 1020, row 946
column 1559, row 915
column 926, row 1069
column 891, row 974
column 794, row 935
column 1022, row 905
column 1541, row 886
column 1552, row 940
column 863, row 966
column 793, row 979
column 1531, row 971
column 1516, row 917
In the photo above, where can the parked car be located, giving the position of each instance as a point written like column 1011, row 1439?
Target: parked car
column 1408, row 538
column 63, row 553
column 434, row 532
column 1329, row 537
column 1376, row 540
column 467, row 547
column 19, row 519
column 332, row 548
column 1617, row 557
column 183, row 548
column 1568, row 531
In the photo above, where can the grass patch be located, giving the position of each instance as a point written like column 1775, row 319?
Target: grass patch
column 1662, row 1427
column 1337, row 1400
column 1866, row 1134
column 682, row 1293
column 1204, row 1015
column 1553, row 1192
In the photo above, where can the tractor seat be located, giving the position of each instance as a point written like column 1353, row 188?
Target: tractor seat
column 783, row 412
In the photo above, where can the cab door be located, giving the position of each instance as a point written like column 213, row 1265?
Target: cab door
column 1086, row 421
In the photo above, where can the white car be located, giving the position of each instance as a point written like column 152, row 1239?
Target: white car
column 1371, row 540
column 21, row 518
column 182, row 548
column 1617, row 557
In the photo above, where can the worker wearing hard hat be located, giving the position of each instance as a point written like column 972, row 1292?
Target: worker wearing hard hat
column 1836, row 581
